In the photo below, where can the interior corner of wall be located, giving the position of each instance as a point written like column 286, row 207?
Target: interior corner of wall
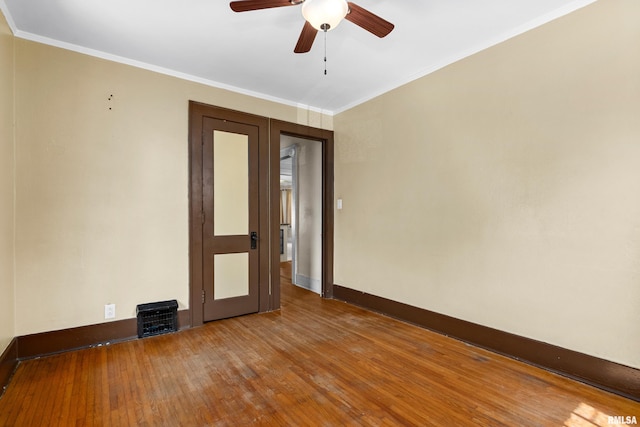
column 14, row 174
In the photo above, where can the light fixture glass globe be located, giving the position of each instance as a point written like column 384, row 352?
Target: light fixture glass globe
column 320, row 12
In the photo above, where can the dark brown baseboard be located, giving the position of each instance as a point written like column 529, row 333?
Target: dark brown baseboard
column 46, row 343
column 604, row 374
column 8, row 364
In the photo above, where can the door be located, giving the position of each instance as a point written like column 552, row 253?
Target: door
column 230, row 230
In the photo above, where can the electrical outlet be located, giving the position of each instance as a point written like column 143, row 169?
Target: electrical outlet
column 109, row 311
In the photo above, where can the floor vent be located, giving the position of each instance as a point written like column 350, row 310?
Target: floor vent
column 156, row 318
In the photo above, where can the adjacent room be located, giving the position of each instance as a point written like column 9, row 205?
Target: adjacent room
column 418, row 213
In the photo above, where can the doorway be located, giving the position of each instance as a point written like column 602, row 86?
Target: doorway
column 323, row 140
column 301, row 211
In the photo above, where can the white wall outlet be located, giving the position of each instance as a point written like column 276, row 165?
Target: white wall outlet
column 109, row 311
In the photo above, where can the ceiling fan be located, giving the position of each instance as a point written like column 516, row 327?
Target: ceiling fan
column 321, row 15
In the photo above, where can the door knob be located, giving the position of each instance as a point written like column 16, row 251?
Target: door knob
column 254, row 240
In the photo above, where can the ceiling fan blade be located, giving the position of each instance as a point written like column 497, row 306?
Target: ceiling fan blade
column 367, row 20
column 307, row 36
column 247, row 5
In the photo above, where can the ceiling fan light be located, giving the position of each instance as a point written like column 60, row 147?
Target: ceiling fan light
column 321, row 12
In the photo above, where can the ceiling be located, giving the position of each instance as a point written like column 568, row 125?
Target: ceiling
column 252, row 52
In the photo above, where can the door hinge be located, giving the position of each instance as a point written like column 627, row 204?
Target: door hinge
column 203, row 296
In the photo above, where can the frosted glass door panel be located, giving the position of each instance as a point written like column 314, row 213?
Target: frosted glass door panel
column 230, row 183
column 231, row 275
column 231, row 154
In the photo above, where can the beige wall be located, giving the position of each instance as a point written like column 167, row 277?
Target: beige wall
column 505, row 189
column 7, row 318
column 102, row 184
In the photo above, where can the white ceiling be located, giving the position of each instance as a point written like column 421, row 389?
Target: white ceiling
column 252, row 52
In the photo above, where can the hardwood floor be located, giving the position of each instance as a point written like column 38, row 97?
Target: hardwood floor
column 316, row 362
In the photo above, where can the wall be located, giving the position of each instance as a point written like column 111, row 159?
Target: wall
column 102, row 184
column 505, row 189
column 7, row 175
column 309, row 263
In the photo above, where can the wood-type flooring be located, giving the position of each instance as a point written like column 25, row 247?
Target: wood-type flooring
column 313, row 363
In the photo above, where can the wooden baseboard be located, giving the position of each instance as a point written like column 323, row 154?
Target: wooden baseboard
column 8, row 364
column 604, row 374
column 46, row 343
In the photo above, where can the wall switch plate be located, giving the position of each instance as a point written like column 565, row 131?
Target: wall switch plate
column 109, row 311
column 339, row 204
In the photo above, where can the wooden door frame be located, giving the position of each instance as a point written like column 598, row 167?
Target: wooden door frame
column 197, row 112
column 278, row 128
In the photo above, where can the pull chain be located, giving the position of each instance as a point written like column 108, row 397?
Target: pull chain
column 325, row 28
column 325, row 52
